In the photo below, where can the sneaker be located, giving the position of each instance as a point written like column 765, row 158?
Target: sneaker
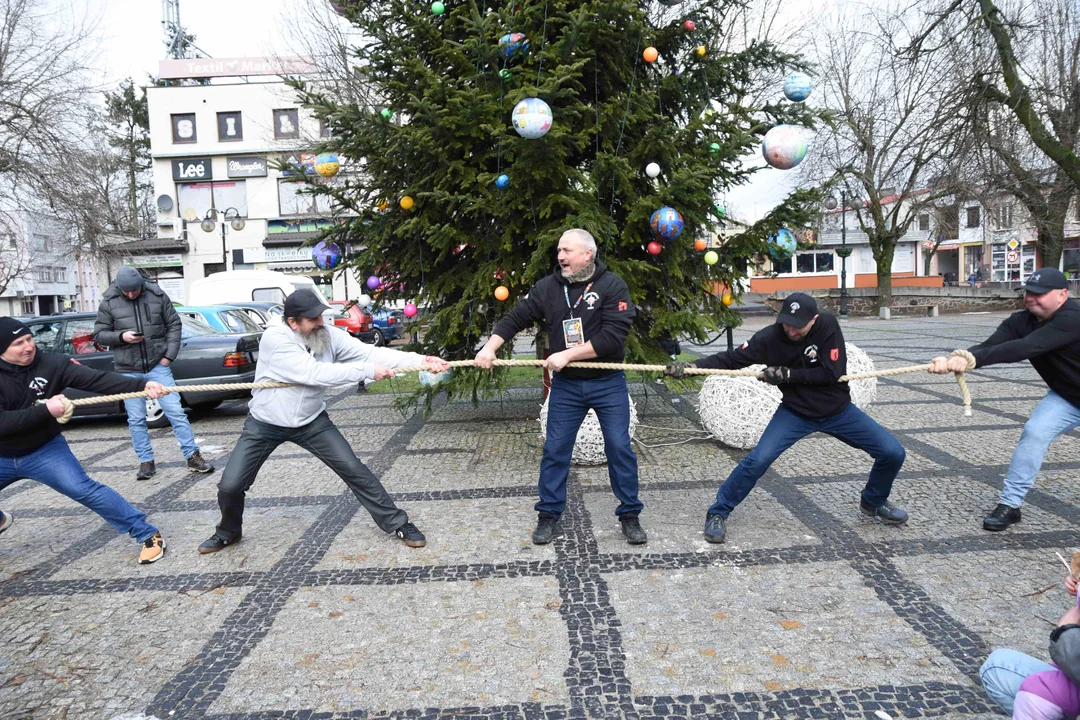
column 887, row 513
column 545, row 529
column 215, row 543
column 5, row 520
column 196, row 463
column 1001, row 517
column 632, row 530
column 411, row 535
column 715, row 532
column 153, row 549
column 146, row 471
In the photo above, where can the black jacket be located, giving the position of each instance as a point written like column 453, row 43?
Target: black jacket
column 606, row 314
column 1053, row 347
column 24, row 425
column 152, row 313
column 817, row 362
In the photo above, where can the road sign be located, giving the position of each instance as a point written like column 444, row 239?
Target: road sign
column 1012, row 257
column 1013, row 244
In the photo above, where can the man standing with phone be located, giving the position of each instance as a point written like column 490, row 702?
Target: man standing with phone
column 136, row 319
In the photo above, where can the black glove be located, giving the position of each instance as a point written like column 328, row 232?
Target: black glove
column 676, row 369
column 777, row 375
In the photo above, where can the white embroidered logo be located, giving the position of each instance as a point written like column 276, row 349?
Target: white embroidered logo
column 38, row 385
column 794, row 306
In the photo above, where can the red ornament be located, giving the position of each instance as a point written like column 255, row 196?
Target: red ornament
column 689, row 25
column 654, row 248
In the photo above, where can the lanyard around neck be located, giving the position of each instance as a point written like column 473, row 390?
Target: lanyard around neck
column 566, row 294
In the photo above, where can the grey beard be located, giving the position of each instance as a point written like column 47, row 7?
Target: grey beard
column 581, row 275
column 317, row 341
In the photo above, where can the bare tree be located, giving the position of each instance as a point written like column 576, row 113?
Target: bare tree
column 896, row 133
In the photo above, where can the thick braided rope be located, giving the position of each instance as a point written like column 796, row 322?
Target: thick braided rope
column 70, row 405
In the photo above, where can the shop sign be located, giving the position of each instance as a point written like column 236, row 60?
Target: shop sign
column 242, row 167
column 192, row 169
column 148, row 261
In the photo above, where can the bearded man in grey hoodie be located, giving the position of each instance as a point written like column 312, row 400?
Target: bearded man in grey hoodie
column 302, row 351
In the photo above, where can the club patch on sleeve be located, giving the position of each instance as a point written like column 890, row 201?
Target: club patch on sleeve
column 622, row 306
column 834, row 354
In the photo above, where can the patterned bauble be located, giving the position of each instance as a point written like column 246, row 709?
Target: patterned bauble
column 532, row 118
column 798, row 86
column 667, row 223
column 327, row 164
column 784, row 147
column 513, row 44
column 326, row 255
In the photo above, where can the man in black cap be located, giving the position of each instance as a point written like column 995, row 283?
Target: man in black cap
column 805, row 356
column 1046, row 332
column 31, row 446
column 136, row 319
column 311, row 357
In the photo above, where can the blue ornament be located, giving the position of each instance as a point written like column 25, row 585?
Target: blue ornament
column 502, row 182
column 782, row 244
column 798, row 86
column 667, row 223
column 511, row 44
column 326, row 256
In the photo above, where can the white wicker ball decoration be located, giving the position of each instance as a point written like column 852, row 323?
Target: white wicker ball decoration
column 589, row 446
column 737, row 409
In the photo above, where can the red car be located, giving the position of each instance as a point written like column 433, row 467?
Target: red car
column 353, row 320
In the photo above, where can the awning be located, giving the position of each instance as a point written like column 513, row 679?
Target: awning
column 972, row 244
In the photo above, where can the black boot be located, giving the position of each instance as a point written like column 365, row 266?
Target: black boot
column 887, row 512
column 545, row 529
column 715, row 532
column 632, row 530
column 1001, row 517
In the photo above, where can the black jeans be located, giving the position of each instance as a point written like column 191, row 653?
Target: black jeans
column 323, row 440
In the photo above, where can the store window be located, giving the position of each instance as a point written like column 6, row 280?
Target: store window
column 230, row 126
column 183, row 128
column 286, row 124
column 195, row 199
column 806, row 263
column 1070, row 258
column 1011, row 265
column 293, row 200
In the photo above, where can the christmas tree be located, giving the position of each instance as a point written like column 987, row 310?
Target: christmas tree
column 451, row 203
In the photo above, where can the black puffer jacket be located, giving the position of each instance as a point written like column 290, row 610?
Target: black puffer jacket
column 152, row 314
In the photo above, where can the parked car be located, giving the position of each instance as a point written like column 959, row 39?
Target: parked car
column 207, row 357
column 264, row 313
column 353, row 320
column 246, row 286
column 223, row 318
column 389, row 326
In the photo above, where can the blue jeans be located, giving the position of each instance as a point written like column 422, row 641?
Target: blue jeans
column 1053, row 416
column 569, row 402
column 136, row 412
column 851, row 425
column 1003, row 672
column 54, row 465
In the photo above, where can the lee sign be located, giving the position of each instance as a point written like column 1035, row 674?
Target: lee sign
column 191, row 169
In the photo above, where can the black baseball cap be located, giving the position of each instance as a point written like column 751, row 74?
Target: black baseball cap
column 798, row 310
column 1044, row 280
column 305, row 303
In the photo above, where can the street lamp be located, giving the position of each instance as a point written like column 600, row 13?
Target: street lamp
column 232, row 218
column 843, row 251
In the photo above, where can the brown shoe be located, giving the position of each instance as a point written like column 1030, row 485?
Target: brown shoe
column 153, row 549
column 146, row 471
column 196, row 463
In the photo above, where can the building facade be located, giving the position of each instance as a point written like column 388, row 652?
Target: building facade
column 39, row 268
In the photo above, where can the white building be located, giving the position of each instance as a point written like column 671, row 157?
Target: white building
column 38, row 264
column 213, row 149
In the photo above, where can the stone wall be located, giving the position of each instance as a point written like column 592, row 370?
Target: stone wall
column 905, row 300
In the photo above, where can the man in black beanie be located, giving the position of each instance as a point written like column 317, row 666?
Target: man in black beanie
column 31, row 445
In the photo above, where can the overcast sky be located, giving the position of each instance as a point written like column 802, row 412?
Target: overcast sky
column 133, row 41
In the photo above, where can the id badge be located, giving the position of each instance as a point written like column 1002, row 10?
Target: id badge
column 573, row 333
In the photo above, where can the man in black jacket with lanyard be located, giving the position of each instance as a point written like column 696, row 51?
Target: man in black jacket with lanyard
column 1046, row 332
column 805, row 355
column 31, row 445
column 588, row 314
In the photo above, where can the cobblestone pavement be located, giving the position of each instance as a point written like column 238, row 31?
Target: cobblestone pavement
column 810, row 611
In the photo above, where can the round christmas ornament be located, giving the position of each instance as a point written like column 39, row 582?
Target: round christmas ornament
column 502, row 181
column 863, row 392
column 505, row 74
column 512, row 44
column 700, row 244
column 721, row 211
column 327, row 164
column 374, row 283
column 667, row 223
column 532, row 118
column 727, row 299
column 501, row 293
column 430, row 379
column 782, row 244
column 784, row 147
column 438, row 8
column 410, row 310
column 798, row 86
column 714, row 148
column 654, row 248
column 589, row 445
column 650, row 54
column 689, row 25
column 652, row 170
column 326, row 256
column 407, row 203
column 701, row 50
column 711, row 258
column 382, row 206
column 387, row 113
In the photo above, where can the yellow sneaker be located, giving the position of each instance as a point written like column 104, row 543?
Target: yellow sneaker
column 153, row 550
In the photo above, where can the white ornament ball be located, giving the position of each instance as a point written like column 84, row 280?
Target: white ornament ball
column 589, row 446
column 652, row 170
column 737, row 409
column 532, row 118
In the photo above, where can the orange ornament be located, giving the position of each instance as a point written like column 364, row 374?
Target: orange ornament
column 406, row 203
column 501, row 293
column 727, row 299
column 650, row 54
column 700, row 244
